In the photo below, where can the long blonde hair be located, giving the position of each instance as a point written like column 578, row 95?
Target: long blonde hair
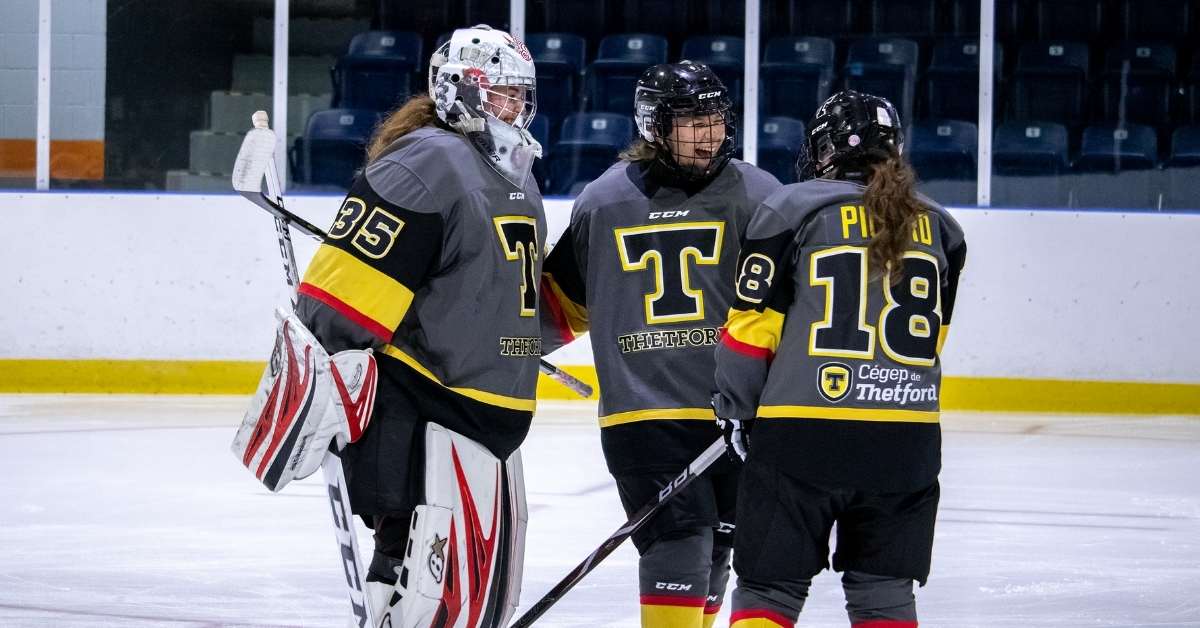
column 891, row 201
column 417, row 112
column 640, row 150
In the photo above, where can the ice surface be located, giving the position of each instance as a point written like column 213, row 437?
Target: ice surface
column 130, row 511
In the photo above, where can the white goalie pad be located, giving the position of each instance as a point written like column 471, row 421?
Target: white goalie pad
column 466, row 547
column 305, row 399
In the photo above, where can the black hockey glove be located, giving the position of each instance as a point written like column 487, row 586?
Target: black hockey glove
column 736, row 433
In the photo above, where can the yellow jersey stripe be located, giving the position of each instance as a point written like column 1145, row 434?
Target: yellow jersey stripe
column 848, row 414
column 758, row 329
column 503, row 401
column 350, row 280
column 620, row 418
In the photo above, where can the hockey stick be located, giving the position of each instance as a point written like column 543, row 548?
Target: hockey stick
column 272, row 201
column 693, row 471
column 256, row 160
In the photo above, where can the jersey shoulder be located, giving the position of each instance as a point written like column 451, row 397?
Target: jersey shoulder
column 758, row 183
column 426, row 170
column 609, row 188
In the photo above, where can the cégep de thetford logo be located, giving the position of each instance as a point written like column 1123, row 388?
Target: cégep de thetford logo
column 834, row 381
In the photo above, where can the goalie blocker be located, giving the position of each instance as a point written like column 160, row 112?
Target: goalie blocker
column 305, row 399
column 464, row 553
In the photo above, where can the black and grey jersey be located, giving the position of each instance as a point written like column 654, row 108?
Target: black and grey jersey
column 839, row 361
column 433, row 261
column 648, row 270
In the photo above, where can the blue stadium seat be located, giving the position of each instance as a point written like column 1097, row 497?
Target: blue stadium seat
column 1010, row 19
column 560, row 60
column 1028, row 161
column 1069, row 19
column 333, row 146
column 539, row 128
column 917, row 18
column 725, row 55
column 378, row 70
column 951, row 86
column 1116, row 167
column 797, row 76
column 885, row 67
column 611, row 78
column 587, row 146
column 823, row 18
column 944, row 154
column 944, row 149
column 1183, row 169
column 1050, row 82
column 1170, row 20
column 1137, row 84
column 779, row 139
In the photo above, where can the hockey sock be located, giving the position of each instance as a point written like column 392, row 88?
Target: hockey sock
column 879, row 601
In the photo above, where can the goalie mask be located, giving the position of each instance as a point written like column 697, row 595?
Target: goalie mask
column 685, row 111
column 849, row 131
column 482, row 82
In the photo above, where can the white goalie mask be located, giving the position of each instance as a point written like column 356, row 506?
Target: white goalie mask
column 482, row 82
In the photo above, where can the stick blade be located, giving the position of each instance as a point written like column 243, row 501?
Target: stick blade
column 254, row 157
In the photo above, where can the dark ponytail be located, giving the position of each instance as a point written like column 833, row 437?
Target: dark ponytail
column 891, row 201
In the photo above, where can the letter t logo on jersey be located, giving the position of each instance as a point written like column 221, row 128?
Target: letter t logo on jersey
column 833, row 381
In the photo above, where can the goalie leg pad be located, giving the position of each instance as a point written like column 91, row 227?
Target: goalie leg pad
column 462, row 563
column 305, row 399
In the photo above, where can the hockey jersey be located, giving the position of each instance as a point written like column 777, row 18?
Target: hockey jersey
column 433, row 261
column 649, row 270
column 840, row 366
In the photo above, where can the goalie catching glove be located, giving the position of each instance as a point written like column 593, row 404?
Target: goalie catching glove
column 305, row 399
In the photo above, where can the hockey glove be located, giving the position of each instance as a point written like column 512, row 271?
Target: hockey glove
column 736, row 433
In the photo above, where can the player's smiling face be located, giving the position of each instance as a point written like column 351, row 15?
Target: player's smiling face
column 695, row 140
column 505, row 102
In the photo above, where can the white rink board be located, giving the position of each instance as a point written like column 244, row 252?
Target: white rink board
column 1046, row 294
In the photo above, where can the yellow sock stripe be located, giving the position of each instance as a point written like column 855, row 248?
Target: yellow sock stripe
column 236, row 377
column 664, row 616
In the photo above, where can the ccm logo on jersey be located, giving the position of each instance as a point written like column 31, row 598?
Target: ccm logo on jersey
column 669, row 214
column 672, row 586
column 707, row 95
column 516, row 196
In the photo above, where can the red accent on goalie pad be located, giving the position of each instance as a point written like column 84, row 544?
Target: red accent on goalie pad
column 283, row 407
column 480, row 554
column 358, row 411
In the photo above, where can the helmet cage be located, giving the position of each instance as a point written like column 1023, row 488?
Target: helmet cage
column 665, row 125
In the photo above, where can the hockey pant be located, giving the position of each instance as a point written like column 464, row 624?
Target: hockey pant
column 465, row 546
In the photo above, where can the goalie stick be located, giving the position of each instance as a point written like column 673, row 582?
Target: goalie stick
column 260, row 162
column 256, row 160
column 693, row 470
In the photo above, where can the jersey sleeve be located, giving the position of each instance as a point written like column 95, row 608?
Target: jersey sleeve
column 564, row 314
column 360, row 283
column 763, row 293
column 955, row 243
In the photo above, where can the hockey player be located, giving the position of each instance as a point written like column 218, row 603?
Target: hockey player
column 845, row 289
column 432, row 261
column 647, row 265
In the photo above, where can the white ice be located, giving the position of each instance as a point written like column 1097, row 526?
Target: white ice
column 130, row 511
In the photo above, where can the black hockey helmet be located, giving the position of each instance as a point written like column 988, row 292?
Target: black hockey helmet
column 670, row 91
column 849, row 131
